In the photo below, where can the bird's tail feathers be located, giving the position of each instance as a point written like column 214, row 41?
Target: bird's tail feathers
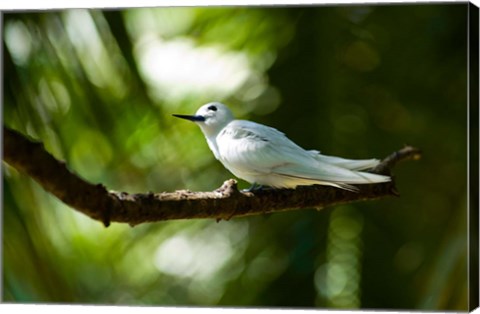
column 351, row 164
column 331, row 175
column 298, row 180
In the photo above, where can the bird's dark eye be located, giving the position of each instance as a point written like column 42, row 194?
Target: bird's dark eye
column 213, row 108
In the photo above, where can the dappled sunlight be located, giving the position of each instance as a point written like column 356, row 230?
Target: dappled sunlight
column 19, row 42
column 338, row 280
column 97, row 62
column 55, row 96
column 265, row 267
column 165, row 22
column 177, row 69
column 202, row 254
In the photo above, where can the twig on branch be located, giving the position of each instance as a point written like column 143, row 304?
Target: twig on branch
column 224, row 203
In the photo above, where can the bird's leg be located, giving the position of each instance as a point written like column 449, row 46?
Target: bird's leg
column 254, row 187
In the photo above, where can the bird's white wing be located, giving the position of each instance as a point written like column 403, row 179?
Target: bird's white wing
column 247, row 147
column 329, row 173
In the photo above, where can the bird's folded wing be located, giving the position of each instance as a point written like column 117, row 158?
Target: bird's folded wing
column 254, row 147
column 328, row 173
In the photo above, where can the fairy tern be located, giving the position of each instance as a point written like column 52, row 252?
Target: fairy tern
column 262, row 155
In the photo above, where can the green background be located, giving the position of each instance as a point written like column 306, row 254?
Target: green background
column 98, row 89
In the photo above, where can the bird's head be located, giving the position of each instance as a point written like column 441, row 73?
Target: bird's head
column 211, row 117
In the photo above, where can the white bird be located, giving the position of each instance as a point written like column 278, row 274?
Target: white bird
column 262, row 155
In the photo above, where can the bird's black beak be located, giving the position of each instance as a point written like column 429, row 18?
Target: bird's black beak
column 191, row 118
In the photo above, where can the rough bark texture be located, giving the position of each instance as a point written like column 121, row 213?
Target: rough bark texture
column 95, row 201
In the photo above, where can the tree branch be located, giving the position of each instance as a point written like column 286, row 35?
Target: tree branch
column 224, row 203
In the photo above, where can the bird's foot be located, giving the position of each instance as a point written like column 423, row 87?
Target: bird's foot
column 253, row 188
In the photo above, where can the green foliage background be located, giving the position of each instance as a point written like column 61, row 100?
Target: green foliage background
column 99, row 87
